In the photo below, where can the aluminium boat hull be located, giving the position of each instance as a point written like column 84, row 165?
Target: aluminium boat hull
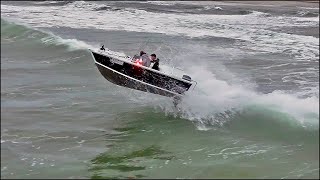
column 127, row 74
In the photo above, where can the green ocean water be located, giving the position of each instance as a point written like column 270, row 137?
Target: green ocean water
column 60, row 118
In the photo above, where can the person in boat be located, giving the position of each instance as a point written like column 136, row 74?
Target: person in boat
column 155, row 60
column 146, row 61
column 142, row 60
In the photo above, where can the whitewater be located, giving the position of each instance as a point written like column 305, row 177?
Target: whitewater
column 256, row 104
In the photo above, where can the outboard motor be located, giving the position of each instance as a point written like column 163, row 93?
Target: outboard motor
column 102, row 48
column 186, row 77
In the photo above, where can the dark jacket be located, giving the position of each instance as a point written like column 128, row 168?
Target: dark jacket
column 156, row 65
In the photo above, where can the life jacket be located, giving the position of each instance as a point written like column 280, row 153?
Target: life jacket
column 136, row 69
column 138, row 61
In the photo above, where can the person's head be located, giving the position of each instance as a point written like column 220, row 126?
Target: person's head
column 153, row 57
column 142, row 53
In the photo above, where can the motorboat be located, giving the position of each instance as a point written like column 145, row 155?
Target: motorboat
column 127, row 72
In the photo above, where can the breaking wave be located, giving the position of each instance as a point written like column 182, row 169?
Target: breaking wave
column 214, row 102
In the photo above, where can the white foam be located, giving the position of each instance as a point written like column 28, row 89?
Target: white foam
column 163, row 3
column 252, row 28
column 73, row 44
column 213, row 97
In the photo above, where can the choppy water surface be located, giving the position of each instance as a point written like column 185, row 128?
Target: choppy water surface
column 253, row 114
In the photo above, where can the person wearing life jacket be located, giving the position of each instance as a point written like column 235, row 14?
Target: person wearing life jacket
column 146, row 61
column 142, row 60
